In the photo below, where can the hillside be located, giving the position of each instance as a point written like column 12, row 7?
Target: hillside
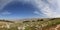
column 31, row 24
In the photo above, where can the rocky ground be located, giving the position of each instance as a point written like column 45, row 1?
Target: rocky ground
column 32, row 24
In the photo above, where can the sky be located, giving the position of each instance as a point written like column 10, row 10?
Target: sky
column 19, row 9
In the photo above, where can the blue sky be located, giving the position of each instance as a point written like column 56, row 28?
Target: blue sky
column 17, row 9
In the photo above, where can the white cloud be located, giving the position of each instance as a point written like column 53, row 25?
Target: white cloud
column 4, row 3
column 36, row 12
column 5, row 13
column 50, row 8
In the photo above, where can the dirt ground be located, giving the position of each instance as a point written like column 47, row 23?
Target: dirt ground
column 55, row 27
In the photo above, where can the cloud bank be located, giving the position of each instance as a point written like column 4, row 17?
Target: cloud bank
column 49, row 8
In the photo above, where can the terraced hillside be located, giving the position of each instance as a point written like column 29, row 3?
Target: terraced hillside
column 31, row 24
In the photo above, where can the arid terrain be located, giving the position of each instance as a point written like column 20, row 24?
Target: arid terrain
column 31, row 24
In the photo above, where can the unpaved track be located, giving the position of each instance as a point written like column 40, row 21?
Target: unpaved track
column 56, row 27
